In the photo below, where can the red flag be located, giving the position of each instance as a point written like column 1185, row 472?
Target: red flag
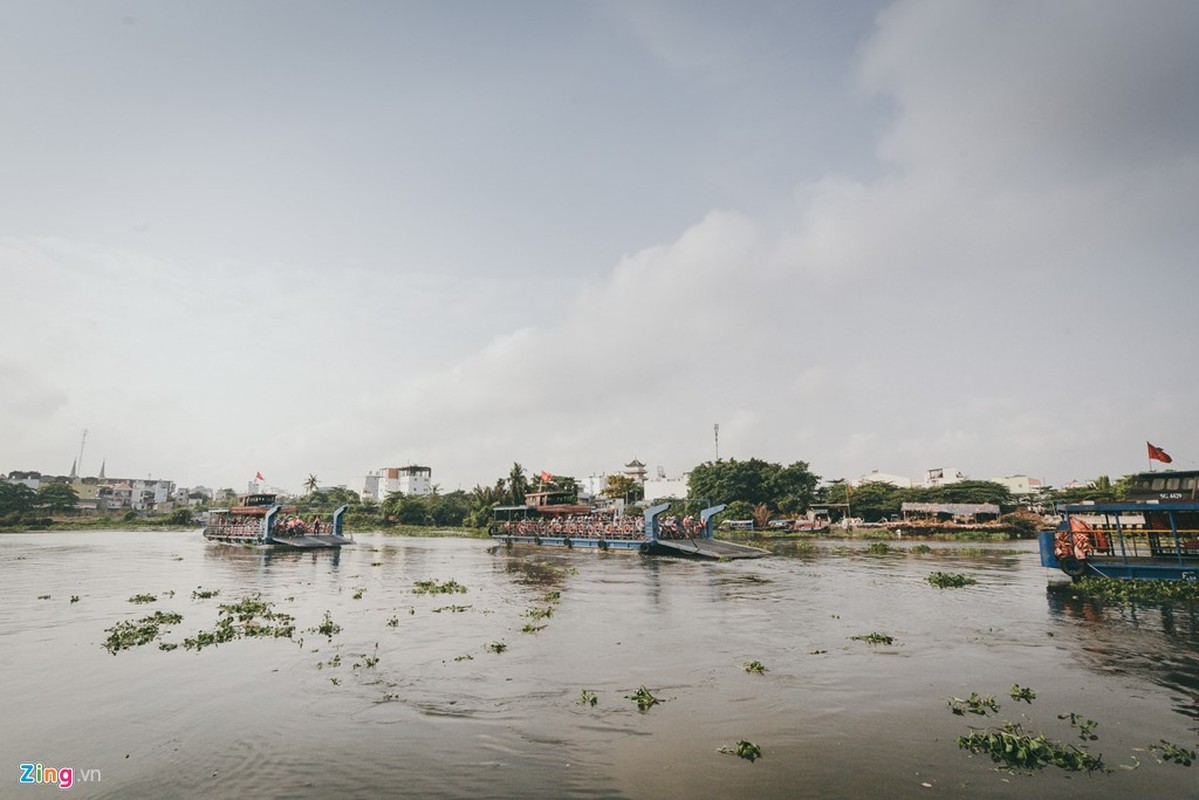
column 1158, row 454
column 258, row 475
column 547, row 477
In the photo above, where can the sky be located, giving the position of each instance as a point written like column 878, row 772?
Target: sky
column 317, row 238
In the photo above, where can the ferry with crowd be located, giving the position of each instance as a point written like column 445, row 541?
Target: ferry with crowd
column 258, row 520
column 1153, row 534
column 579, row 527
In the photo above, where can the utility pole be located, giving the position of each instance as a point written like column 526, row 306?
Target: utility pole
column 716, row 434
column 79, row 463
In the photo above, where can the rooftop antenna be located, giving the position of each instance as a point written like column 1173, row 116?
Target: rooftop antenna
column 716, row 434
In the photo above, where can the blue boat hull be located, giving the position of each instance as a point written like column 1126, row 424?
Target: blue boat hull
column 1152, row 569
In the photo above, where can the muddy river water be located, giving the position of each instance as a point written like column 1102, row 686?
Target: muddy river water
column 410, row 698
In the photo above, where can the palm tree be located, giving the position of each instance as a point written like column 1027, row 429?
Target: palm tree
column 311, row 483
column 517, row 484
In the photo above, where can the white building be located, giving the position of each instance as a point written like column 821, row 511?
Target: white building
column 1021, row 484
column 874, row 476
column 412, row 479
column 662, row 487
column 939, row 476
column 592, row 486
column 148, row 494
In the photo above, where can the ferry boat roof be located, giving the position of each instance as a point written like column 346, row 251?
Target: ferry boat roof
column 1130, row 505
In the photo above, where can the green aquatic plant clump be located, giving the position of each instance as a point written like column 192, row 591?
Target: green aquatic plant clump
column 644, row 699
column 975, row 704
column 143, row 598
column 1126, row 591
column 327, row 627
column 1013, row 749
column 1167, row 751
column 873, row 638
column 743, row 749
column 949, row 580
column 250, row 617
column 1018, row 692
column 755, row 667
column 433, row 587
column 129, row 634
column 588, row 698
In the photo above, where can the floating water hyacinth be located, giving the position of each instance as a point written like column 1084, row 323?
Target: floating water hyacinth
column 743, row 749
column 644, row 699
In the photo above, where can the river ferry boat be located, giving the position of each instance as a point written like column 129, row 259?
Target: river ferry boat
column 1152, row 534
column 571, row 526
column 258, row 520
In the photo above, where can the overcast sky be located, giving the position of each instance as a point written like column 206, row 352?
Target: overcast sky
column 300, row 237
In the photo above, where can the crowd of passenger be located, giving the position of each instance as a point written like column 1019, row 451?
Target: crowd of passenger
column 594, row 527
column 295, row 526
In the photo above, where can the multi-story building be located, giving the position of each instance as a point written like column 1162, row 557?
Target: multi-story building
column 411, row 479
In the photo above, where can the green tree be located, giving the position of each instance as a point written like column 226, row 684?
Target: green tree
column 481, row 500
column 57, row 497
column 517, row 484
column 564, row 487
column 965, row 492
column 406, row 509
column 16, row 498
column 789, row 489
column 874, row 501
column 449, row 509
column 622, row 487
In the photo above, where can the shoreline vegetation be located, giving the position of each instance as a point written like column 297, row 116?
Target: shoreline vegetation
column 777, row 500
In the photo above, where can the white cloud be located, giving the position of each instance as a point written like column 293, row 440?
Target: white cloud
column 1010, row 293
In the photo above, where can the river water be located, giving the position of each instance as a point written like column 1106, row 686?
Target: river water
column 441, row 714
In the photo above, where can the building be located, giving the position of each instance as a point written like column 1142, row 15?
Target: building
column 635, row 470
column 661, row 487
column 1020, row 485
column 940, row 476
column 874, row 476
column 415, row 480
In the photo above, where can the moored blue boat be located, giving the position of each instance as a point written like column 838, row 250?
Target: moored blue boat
column 1153, row 535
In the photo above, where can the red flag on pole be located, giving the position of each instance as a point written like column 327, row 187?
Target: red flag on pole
column 1158, row 454
column 547, row 477
column 258, row 475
